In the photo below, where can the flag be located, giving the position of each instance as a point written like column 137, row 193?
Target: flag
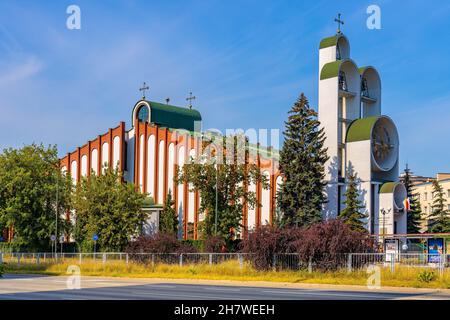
column 407, row 204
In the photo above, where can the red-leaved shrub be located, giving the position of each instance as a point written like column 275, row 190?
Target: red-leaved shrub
column 263, row 244
column 159, row 243
column 214, row 244
column 326, row 244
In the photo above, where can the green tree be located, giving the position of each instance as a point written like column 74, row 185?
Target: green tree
column 108, row 207
column 168, row 222
column 352, row 214
column 415, row 212
column 223, row 166
column 439, row 217
column 302, row 161
column 32, row 189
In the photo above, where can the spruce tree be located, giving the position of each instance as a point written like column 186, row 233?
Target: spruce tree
column 352, row 214
column 302, row 161
column 168, row 222
column 415, row 212
column 440, row 221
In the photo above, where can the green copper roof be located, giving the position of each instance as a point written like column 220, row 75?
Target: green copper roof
column 361, row 129
column 388, row 187
column 362, row 69
column 329, row 42
column 330, row 70
column 169, row 116
column 148, row 202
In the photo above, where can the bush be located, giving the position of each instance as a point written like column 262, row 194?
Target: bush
column 214, row 244
column 326, row 244
column 2, row 269
column 426, row 276
column 266, row 241
column 160, row 243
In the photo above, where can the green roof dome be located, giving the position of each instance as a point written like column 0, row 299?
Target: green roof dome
column 169, row 116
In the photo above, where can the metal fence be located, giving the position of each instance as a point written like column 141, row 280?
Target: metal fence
column 350, row 262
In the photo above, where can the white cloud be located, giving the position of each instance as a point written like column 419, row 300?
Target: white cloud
column 21, row 71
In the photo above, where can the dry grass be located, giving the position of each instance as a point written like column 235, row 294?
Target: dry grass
column 231, row 270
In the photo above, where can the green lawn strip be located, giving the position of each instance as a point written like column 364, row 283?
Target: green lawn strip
column 402, row 277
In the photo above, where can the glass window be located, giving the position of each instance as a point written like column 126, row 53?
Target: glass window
column 143, row 114
column 342, row 81
column 364, row 88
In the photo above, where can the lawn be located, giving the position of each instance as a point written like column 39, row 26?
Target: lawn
column 232, row 270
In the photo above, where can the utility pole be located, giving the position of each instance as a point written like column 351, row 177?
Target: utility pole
column 217, row 195
column 56, row 212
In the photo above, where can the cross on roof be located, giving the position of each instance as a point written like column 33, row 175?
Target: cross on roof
column 339, row 21
column 144, row 87
column 190, row 98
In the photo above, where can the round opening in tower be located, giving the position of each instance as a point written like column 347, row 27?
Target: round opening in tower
column 400, row 195
column 384, row 144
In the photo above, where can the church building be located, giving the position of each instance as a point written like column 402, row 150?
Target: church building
column 161, row 139
column 360, row 140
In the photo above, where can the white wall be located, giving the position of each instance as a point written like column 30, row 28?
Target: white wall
column 73, row 171
column 161, row 172
column 251, row 218
column 105, row 154
column 141, row 162
column 170, row 170
column 84, row 168
column 265, row 202
column 94, row 160
column 116, row 152
column 191, row 208
column 151, row 165
column 180, row 205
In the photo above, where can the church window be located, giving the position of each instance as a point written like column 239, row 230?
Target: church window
column 338, row 52
column 342, row 81
column 143, row 114
column 364, row 88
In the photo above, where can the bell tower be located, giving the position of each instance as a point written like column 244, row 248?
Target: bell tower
column 359, row 139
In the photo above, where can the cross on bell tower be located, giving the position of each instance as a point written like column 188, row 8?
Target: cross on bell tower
column 144, row 87
column 190, row 98
column 339, row 21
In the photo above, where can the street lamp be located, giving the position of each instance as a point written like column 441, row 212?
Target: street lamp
column 217, row 195
column 56, row 212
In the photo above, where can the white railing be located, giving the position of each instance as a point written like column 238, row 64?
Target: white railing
column 285, row 261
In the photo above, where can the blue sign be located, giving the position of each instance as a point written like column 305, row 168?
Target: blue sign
column 95, row 237
column 435, row 250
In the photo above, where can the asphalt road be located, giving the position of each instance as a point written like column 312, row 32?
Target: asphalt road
column 30, row 287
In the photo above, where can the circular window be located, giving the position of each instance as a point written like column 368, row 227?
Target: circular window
column 384, row 144
column 143, row 114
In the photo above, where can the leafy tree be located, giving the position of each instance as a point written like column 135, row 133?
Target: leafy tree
column 415, row 212
column 302, row 161
column 440, row 221
column 30, row 183
column 223, row 166
column 168, row 222
column 352, row 214
column 106, row 206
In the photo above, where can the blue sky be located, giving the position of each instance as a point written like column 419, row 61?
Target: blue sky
column 245, row 61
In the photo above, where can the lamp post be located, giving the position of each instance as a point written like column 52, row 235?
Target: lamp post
column 56, row 211
column 217, row 197
column 383, row 212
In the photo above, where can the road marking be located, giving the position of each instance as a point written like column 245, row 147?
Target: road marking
column 221, row 289
column 339, row 294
